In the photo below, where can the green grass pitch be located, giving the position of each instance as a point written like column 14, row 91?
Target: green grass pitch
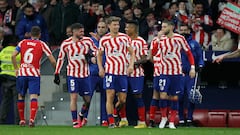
column 97, row 130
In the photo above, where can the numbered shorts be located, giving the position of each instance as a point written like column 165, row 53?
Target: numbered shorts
column 136, row 84
column 116, row 82
column 156, row 83
column 79, row 85
column 170, row 84
column 28, row 82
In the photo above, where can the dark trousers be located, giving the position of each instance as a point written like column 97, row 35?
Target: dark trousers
column 9, row 96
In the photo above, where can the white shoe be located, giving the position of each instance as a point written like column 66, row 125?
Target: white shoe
column 163, row 122
column 171, row 125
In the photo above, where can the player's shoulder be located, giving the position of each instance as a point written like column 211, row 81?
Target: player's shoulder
column 120, row 34
column 141, row 39
column 66, row 41
column 176, row 35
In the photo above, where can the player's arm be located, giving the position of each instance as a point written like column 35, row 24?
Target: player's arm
column 52, row 61
column 190, row 57
column 143, row 54
column 132, row 59
column 230, row 55
column 99, row 63
column 59, row 65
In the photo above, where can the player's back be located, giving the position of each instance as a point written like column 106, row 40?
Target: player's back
column 31, row 53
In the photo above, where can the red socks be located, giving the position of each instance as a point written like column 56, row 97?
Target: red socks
column 21, row 107
column 141, row 114
column 33, row 108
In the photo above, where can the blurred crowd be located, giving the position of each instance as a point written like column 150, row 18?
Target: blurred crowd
column 54, row 16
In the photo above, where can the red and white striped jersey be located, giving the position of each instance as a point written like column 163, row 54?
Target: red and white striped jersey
column 202, row 37
column 156, row 58
column 170, row 54
column 116, row 53
column 140, row 48
column 75, row 51
column 31, row 53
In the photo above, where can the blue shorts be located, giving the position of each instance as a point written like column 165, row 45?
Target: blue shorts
column 156, row 83
column 79, row 85
column 136, row 84
column 31, row 83
column 116, row 82
column 187, row 84
column 170, row 84
column 96, row 83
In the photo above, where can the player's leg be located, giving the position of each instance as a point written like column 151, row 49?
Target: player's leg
column 190, row 105
column 174, row 90
column 154, row 102
column 73, row 89
column 136, row 85
column 181, row 98
column 121, row 87
column 108, row 84
column 104, row 120
column 34, row 91
column 85, row 109
column 164, row 99
column 22, row 86
column 110, row 93
column 87, row 91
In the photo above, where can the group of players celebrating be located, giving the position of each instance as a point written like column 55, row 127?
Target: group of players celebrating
column 118, row 59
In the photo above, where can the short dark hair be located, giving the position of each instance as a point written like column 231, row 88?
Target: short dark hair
column 184, row 25
column 76, row 26
column 35, row 31
column 29, row 6
column 168, row 22
column 132, row 22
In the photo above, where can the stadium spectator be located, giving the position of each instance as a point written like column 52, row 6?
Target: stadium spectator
column 136, row 79
column 96, row 80
column 68, row 31
column 28, row 73
column 126, row 16
column 20, row 4
column 115, row 45
column 28, row 20
column 171, row 70
column 8, row 82
column 63, row 14
column 221, row 40
column 7, row 17
column 183, row 16
column 90, row 18
column 79, row 3
column 77, row 70
column 153, row 26
column 120, row 5
column 44, row 9
column 188, row 82
column 2, row 39
column 201, row 24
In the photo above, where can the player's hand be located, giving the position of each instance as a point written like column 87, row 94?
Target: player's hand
column 94, row 60
column 218, row 59
column 129, row 70
column 192, row 73
column 101, row 72
column 56, row 79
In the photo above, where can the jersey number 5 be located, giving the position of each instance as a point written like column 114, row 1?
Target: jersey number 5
column 28, row 56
